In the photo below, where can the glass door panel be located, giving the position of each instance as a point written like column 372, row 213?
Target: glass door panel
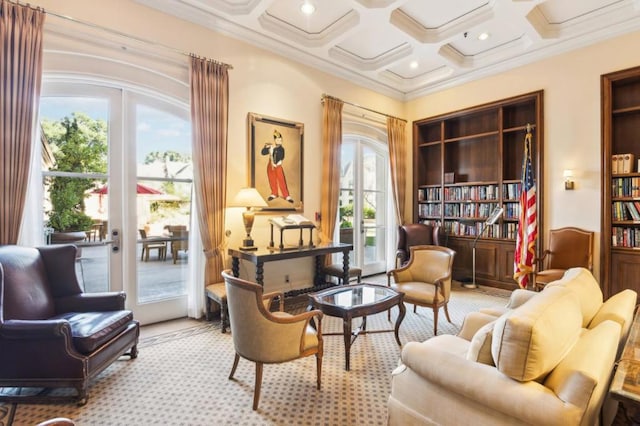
column 74, row 144
column 363, row 203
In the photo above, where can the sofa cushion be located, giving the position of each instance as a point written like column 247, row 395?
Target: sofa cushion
column 582, row 282
column 90, row 330
column 523, row 347
column 480, row 347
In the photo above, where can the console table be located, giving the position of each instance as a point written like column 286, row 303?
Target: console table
column 262, row 255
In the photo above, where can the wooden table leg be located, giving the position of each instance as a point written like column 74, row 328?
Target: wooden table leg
column 260, row 273
column 400, row 318
column 346, row 326
column 235, row 266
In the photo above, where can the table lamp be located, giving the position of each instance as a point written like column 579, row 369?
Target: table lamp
column 249, row 198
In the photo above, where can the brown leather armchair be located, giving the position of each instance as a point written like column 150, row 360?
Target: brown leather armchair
column 569, row 247
column 52, row 335
column 416, row 234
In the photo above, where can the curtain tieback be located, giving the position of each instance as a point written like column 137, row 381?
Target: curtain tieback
column 215, row 252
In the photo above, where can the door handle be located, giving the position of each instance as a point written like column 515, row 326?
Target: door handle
column 115, row 240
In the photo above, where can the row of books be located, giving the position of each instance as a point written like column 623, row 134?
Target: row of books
column 622, row 163
column 473, row 210
column 471, row 230
column 625, row 210
column 429, row 194
column 625, row 187
column 426, row 210
column 625, row 237
column 505, row 230
column 511, row 191
column 475, row 192
column 511, row 210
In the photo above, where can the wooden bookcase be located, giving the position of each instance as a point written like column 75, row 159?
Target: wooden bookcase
column 465, row 164
column 620, row 233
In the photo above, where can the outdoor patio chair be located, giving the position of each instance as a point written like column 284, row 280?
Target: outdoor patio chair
column 147, row 246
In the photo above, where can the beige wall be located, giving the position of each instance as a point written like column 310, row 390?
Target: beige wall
column 571, row 84
column 269, row 84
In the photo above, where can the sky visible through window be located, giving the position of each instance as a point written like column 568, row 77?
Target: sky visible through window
column 156, row 130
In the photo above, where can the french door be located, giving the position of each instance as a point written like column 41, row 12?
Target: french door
column 128, row 155
column 363, row 202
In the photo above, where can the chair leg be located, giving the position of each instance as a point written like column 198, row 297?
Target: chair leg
column 435, row 321
column 415, row 307
column 142, row 255
column 318, row 370
column 235, row 365
column 446, row 312
column 256, row 391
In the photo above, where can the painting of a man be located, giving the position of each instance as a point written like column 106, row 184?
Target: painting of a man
column 275, row 172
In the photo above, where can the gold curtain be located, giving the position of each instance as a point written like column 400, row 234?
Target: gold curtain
column 209, row 120
column 398, row 159
column 20, row 77
column 331, row 142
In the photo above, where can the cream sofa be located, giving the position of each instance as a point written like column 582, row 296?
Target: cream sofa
column 546, row 359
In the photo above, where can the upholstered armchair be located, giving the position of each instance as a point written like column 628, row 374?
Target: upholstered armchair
column 266, row 337
column 426, row 279
column 416, row 234
column 52, row 335
column 567, row 248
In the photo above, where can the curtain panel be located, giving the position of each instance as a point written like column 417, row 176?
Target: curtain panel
column 331, row 142
column 21, row 29
column 209, row 120
column 398, row 158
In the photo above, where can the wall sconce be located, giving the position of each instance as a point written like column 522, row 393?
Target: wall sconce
column 249, row 198
column 568, row 182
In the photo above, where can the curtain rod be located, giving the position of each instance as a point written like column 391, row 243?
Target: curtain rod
column 131, row 37
column 324, row 95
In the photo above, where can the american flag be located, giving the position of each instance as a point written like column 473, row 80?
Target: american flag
column 527, row 221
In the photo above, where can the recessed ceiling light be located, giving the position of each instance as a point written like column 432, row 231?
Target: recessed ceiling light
column 307, row 8
column 483, row 36
column 414, row 64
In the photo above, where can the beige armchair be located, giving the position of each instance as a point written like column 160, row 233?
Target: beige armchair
column 426, row 279
column 568, row 248
column 268, row 337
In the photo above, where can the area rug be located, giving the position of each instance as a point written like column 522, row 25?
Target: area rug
column 181, row 378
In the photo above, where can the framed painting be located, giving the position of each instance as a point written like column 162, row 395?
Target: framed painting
column 275, row 161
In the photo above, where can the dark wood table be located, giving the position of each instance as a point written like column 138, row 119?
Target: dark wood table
column 358, row 300
column 262, row 255
column 625, row 386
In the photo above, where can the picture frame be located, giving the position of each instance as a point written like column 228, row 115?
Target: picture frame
column 276, row 161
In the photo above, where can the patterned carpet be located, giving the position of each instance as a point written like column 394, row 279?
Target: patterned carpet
column 181, row 378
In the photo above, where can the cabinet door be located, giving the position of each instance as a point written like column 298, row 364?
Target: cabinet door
column 625, row 274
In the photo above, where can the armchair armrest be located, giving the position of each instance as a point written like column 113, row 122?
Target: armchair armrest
column 91, row 302
column 34, row 329
column 267, row 300
column 518, row 297
column 473, row 322
column 470, row 380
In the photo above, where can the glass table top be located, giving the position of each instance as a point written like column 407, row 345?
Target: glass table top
column 355, row 295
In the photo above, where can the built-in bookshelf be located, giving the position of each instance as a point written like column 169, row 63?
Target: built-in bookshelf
column 620, row 234
column 467, row 163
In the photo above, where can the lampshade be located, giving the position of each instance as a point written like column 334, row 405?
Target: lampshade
column 567, row 174
column 248, row 197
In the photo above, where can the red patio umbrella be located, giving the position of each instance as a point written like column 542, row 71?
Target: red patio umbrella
column 140, row 189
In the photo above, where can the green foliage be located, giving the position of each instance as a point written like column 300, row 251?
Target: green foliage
column 346, row 224
column 79, row 145
column 346, row 210
column 369, row 213
column 154, row 156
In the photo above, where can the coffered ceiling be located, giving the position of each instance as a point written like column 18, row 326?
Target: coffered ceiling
column 408, row 48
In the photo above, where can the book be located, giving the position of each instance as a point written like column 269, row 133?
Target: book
column 614, row 164
column 627, row 163
column 291, row 221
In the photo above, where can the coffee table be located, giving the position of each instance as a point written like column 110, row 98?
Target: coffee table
column 359, row 300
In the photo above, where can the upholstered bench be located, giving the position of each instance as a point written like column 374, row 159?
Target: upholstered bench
column 335, row 270
column 218, row 293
